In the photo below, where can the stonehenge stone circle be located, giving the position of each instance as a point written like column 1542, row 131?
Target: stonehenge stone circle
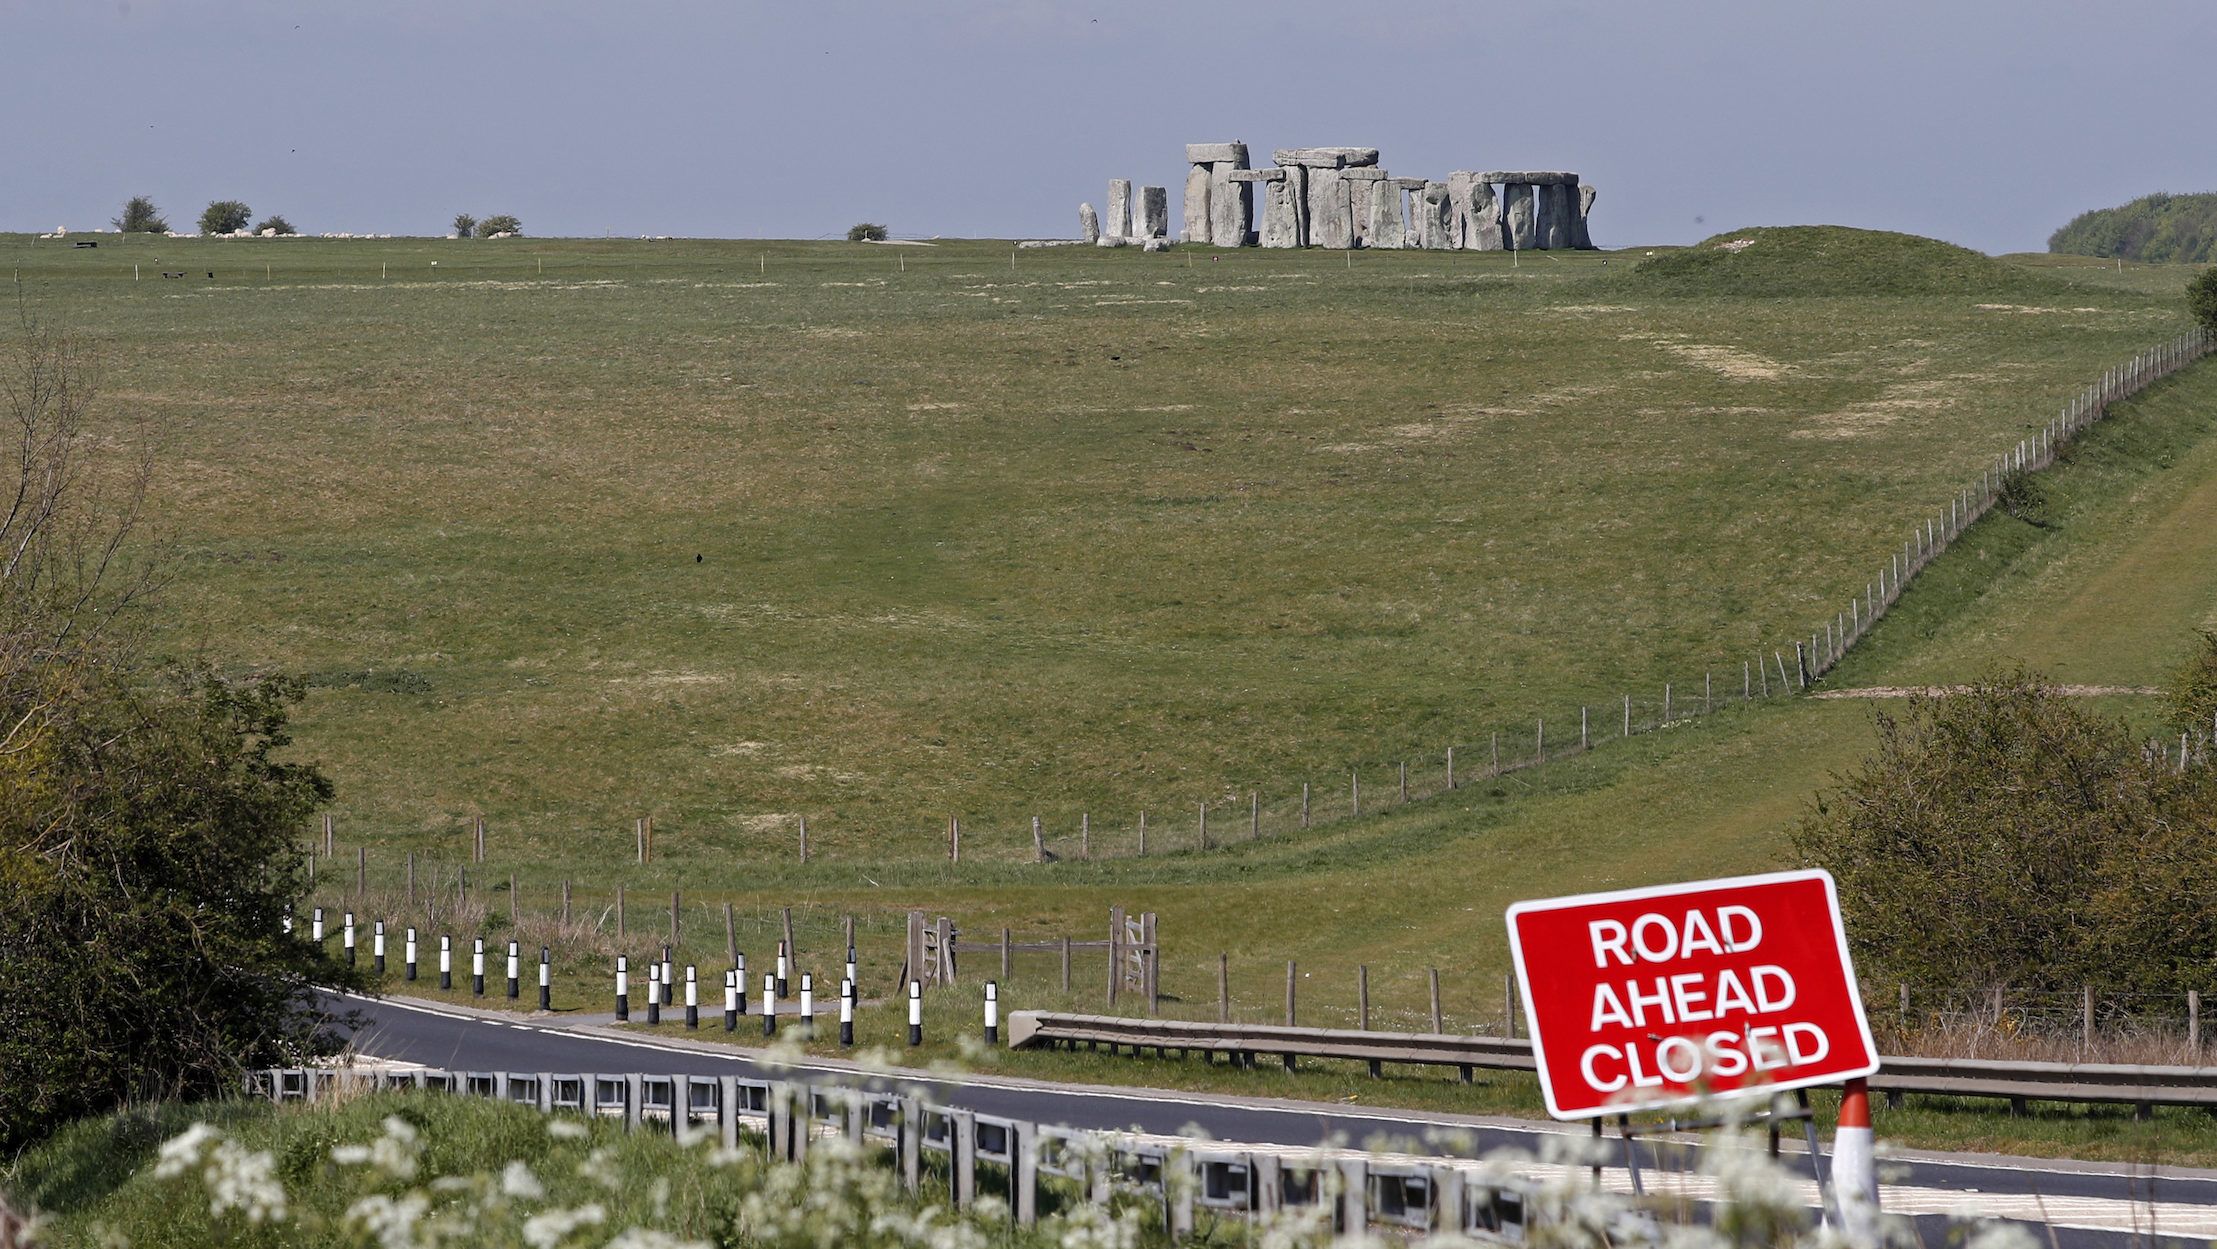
column 1341, row 197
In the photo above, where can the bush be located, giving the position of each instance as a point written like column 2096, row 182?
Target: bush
column 499, row 223
column 148, row 823
column 2194, row 689
column 464, row 224
column 867, row 232
column 225, row 216
column 2201, row 299
column 141, row 217
column 2007, row 836
column 275, row 225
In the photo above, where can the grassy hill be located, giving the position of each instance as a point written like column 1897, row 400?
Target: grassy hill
column 2158, row 229
column 1807, row 261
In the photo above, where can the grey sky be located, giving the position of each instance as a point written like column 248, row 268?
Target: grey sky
column 1988, row 122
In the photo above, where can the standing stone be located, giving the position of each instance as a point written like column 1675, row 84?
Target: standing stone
column 1089, row 224
column 1331, row 212
column 1461, row 188
column 1581, row 237
column 1557, row 207
column 1281, row 225
column 1484, row 231
column 1197, row 205
column 1231, row 206
column 1384, row 229
column 1435, row 211
column 1522, row 229
column 1154, row 212
column 1119, row 224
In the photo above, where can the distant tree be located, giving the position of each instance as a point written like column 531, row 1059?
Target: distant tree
column 499, row 223
column 275, row 225
column 463, row 225
column 2158, row 229
column 225, row 216
column 141, row 217
column 2007, row 836
column 867, row 232
column 2201, row 299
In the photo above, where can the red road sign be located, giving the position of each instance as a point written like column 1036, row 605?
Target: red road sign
column 1657, row 997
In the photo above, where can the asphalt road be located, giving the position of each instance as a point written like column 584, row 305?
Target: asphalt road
column 2090, row 1204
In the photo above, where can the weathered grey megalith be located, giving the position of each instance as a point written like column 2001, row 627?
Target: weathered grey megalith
column 1119, row 223
column 1331, row 212
column 1197, row 203
column 1281, row 224
column 1580, row 237
column 1435, row 211
column 1363, row 183
column 1154, row 212
column 1557, row 207
column 1089, row 224
column 1483, row 231
column 1518, row 211
column 1384, row 228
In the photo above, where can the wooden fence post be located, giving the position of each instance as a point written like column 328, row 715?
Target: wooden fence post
column 619, row 908
column 2194, row 1024
column 793, row 949
column 1039, row 844
column 1223, row 988
column 1433, row 975
column 731, row 943
column 1115, row 951
column 1143, row 834
column 1451, row 767
column 804, row 839
column 674, row 921
column 411, row 880
column 1204, row 826
column 1362, row 996
column 1085, row 835
column 565, row 902
column 1304, row 804
column 1008, row 958
column 327, row 835
column 1066, row 963
column 361, row 871
column 1291, row 975
column 1254, row 814
column 1508, row 1005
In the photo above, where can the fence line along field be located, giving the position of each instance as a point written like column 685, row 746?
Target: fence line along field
column 567, row 532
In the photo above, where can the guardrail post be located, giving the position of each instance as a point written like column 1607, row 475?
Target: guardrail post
column 1354, row 1196
column 1179, row 1179
column 727, row 1111
column 962, row 1131
column 1268, row 1189
column 634, row 1093
column 1449, row 1186
column 1023, row 1171
column 909, row 1143
column 780, row 1109
column 2194, row 1023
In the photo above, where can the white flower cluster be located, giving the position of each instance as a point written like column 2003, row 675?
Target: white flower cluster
column 393, row 1153
column 237, row 1179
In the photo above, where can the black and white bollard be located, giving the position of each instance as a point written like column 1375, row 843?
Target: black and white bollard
column 739, row 978
column 669, row 979
column 846, row 1012
column 769, row 1004
column 623, row 989
column 477, row 967
column 808, row 1007
column 731, row 1001
column 654, row 992
column 915, row 1013
column 784, row 982
column 852, row 978
column 446, row 961
column 315, row 926
column 515, row 971
column 546, row 981
column 992, row 1013
column 377, row 946
column 346, row 937
column 692, row 998
column 408, row 955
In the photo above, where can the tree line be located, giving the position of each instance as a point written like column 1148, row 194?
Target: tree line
column 141, row 215
column 2158, row 229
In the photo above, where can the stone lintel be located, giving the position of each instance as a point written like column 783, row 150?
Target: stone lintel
column 1528, row 178
column 1326, row 157
column 1234, row 153
column 1258, row 175
column 1368, row 173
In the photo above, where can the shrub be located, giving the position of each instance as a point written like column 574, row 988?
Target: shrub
column 275, row 225
column 2201, row 299
column 141, row 217
column 866, row 232
column 2194, row 689
column 225, row 216
column 2006, row 835
column 464, row 224
column 499, row 223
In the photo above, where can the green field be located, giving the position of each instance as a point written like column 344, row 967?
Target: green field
column 566, row 533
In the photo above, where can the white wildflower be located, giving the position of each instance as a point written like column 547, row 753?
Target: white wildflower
column 244, row 1180
column 1995, row 1234
column 567, row 1130
column 1090, row 1226
column 517, row 1181
column 394, row 1152
column 181, row 1153
column 599, row 1166
column 550, row 1228
column 392, row 1221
